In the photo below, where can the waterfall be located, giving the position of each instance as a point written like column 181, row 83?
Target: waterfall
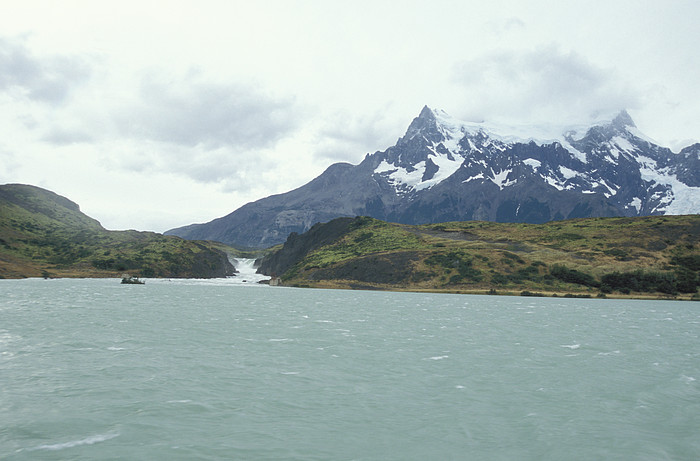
column 246, row 271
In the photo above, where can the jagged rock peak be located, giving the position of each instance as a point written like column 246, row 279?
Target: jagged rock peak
column 427, row 113
column 425, row 124
column 437, row 125
column 623, row 120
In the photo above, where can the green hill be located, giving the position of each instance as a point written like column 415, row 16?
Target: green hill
column 44, row 234
column 648, row 256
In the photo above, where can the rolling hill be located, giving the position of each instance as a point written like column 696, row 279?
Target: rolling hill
column 643, row 256
column 43, row 234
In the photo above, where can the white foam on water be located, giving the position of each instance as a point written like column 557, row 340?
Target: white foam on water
column 247, row 272
column 246, row 276
column 93, row 439
column 571, row 346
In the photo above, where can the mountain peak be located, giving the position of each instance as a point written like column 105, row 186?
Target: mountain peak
column 425, row 124
column 623, row 120
column 427, row 113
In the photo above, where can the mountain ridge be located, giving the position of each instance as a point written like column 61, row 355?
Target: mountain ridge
column 444, row 169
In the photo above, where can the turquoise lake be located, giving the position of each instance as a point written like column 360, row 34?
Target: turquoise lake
column 218, row 370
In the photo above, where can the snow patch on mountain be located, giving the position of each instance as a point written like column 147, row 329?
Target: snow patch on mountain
column 541, row 134
column 554, row 182
column 472, row 178
column 677, row 198
column 568, row 173
column 611, row 190
column 509, row 134
column 532, row 163
column 401, row 178
column 501, row 179
column 634, row 131
column 636, row 203
column 620, row 146
column 580, row 156
column 623, row 144
column 452, row 129
column 446, row 164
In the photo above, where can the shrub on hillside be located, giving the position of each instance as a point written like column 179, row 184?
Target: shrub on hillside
column 573, row 276
column 641, row 281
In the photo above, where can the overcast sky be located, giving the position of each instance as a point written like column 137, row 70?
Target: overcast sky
column 157, row 114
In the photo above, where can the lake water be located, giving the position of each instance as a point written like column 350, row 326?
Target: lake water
column 220, row 369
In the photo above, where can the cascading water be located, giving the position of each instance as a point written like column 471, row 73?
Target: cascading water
column 246, row 271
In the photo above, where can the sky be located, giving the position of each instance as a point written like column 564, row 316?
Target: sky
column 155, row 114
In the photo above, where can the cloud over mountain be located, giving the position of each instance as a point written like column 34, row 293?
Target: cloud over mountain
column 541, row 84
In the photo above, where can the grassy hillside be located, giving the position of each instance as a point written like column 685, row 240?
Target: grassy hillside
column 44, row 234
column 650, row 256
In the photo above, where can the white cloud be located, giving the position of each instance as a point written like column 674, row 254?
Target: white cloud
column 545, row 84
column 346, row 137
column 24, row 75
column 195, row 112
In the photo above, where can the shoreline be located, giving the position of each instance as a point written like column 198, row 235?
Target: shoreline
column 348, row 285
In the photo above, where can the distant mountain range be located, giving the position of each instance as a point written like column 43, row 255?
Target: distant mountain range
column 445, row 170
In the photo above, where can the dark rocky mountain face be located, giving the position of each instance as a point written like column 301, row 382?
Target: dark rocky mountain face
column 443, row 169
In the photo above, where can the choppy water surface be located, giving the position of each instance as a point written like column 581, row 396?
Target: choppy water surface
column 95, row 370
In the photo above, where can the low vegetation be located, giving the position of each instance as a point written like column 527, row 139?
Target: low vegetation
column 45, row 235
column 597, row 257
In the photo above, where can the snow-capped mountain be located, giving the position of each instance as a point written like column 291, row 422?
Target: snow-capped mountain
column 444, row 169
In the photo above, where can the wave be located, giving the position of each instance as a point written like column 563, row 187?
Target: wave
column 93, row 439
